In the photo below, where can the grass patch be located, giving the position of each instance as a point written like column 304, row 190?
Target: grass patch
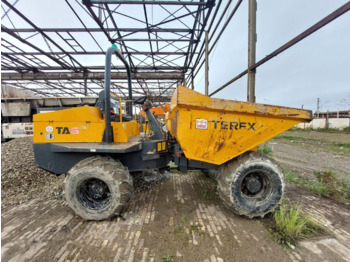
column 290, row 224
column 183, row 218
column 294, row 138
column 341, row 147
column 332, row 130
column 334, row 187
column 265, row 150
column 341, row 144
column 323, row 130
column 168, row 258
column 346, row 129
column 326, row 183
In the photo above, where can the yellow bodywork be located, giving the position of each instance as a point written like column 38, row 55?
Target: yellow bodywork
column 122, row 132
column 81, row 124
column 217, row 130
column 146, row 128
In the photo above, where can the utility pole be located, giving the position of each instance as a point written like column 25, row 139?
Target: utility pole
column 251, row 51
column 318, row 107
column 206, row 64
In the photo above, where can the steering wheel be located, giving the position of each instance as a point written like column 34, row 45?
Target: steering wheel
column 140, row 100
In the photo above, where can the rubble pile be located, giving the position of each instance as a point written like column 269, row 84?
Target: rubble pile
column 21, row 179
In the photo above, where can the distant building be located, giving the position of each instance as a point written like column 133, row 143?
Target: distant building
column 334, row 114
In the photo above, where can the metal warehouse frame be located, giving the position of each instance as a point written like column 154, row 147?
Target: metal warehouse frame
column 162, row 53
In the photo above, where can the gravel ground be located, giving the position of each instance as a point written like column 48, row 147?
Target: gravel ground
column 21, row 179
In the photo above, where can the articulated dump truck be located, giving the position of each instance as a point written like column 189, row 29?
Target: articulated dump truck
column 99, row 154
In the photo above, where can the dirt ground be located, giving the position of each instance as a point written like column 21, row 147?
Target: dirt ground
column 313, row 151
column 317, row 151
column 182, row 217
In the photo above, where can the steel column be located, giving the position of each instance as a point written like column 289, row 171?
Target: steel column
column 206, row 64
column 251, row 51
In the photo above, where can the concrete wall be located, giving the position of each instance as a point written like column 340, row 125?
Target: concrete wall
column 15, row 109
column 336, row 123
column 12, row 92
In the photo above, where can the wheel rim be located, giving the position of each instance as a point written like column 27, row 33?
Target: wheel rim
column 93, row 193
column 256, row 185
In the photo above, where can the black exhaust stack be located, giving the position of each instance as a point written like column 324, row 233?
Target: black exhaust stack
column 108, row 135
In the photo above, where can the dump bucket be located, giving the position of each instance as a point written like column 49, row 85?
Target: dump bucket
column 216, row 130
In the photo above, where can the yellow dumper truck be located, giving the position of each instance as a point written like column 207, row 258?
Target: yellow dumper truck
column 99, row 155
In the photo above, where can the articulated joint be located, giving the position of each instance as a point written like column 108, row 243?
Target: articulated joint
column 146, row 106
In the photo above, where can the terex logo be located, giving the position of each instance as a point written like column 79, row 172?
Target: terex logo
column 67, row 131
column 233, row 125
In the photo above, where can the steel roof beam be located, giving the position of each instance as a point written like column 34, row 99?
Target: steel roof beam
column 219, row 35
column 154, row 40
column 138, row 68
column 97, row 30
column 119, row 35
column 157, row 70
column 62, row 64
column 165, row 21
column 210, row 5
column 15, row 60
column 90, row 75
column 39, row 30
column 97, row 53
column 92, row 90
column 138, row 2
column 81, row 21
column 148, row 33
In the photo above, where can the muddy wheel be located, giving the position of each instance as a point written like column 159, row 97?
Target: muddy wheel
column 98, row 188
column 251, row 185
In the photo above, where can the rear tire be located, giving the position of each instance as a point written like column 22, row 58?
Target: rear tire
column 251, row 185
column 98, row 188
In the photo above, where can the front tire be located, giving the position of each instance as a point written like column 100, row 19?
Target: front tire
column 98, row 188
column 251, row 185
